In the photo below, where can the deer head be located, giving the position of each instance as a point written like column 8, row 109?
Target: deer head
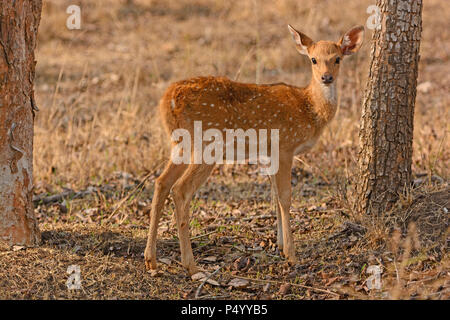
column 326, row 56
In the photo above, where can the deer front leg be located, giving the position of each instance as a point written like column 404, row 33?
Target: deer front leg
column 275, row 204
column 283, row 188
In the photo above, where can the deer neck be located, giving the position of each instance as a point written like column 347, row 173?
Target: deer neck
column 323, row 99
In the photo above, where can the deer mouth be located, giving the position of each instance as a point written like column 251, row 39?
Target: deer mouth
column 327, row 82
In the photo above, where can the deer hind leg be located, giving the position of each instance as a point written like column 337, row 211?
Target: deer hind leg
column 275, row 204
column 163, row 184
column 183, row 190
column 283, row 188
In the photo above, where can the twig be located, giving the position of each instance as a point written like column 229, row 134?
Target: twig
column 176, row 261
column 238, row 73
column 133, row 192
column 440, row 292
column 124, row 199
column 313, row 167
column 251, row 218
column 209, row 296
column 239, row 249
column 292, row 284
column 199, row 289
column 196, row 237
column 422, row 280
column 396, row 272
column 204, row 235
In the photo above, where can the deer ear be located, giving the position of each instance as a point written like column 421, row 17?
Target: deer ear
column 352, row 40
column 302, row 41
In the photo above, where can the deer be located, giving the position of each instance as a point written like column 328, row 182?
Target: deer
column 300, row 114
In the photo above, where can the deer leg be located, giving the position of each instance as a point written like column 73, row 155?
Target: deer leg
column 275, row 204
column 183, row 190
column 163, row 184
column 283, row 187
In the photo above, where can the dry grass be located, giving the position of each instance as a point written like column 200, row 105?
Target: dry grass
column 98, row 89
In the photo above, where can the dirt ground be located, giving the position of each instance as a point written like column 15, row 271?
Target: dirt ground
column 99, row 146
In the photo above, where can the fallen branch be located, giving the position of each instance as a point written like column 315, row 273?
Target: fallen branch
column 64, row 195
column 349, row 227
column 199, row 289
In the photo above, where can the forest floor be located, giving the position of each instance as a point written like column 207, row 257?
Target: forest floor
column 99, row 147
column 233, row 229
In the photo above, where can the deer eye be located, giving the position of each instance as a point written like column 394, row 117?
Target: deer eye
column 314, row 61
column 338, row 60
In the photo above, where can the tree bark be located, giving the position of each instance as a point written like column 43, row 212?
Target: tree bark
column 19, row 21
column 386, row 132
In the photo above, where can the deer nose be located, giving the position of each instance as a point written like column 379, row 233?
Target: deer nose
column 327, row 78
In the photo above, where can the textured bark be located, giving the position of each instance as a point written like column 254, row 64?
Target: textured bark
column 387, row 120
column 19, row 22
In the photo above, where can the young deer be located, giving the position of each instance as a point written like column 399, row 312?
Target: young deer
column 300, row 115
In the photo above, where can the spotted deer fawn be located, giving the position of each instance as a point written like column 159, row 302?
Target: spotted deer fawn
column 299, row 114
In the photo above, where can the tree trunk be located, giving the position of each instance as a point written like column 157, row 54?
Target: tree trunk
column 387, row 120
column 19, row 22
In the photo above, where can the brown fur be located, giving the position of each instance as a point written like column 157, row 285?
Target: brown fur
column 235, row 105
column 299, row 113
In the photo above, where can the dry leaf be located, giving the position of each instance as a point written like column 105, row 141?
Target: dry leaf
column 285, row 288
column 165, row 261
column 210, row 259
column 199, row 276
column 155, row 273
column 331, row 281
column 213, row 282
column 238, row 283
